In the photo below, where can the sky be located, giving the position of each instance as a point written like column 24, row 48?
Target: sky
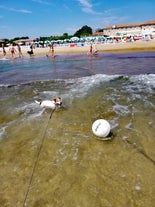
column 44, row 18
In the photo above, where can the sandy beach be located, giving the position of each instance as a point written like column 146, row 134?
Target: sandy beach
column 123, row 47
column 114, row 48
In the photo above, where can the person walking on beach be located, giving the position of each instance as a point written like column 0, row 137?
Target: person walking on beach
column 12, row 50
column 19, row 50
column 3, row 50
column 31, row 51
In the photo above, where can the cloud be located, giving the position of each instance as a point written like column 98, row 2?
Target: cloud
column 87, row 7
column 108, row 21
column 41, row 2
column 20, row 10
column 16, row 10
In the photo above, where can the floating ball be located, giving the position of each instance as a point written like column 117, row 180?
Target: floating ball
column 101, row 128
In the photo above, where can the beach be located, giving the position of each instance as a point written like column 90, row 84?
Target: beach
column 54, row 159
column 111, row 47
column 121, row 47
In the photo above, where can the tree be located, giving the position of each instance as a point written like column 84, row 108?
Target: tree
column 64, row 36
column 84, row 31
column 99, row 30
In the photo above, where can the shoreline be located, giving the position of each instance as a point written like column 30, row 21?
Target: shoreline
column 126, row 47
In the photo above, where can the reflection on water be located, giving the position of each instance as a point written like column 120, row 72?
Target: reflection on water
column 75, row 168
column 24, row 70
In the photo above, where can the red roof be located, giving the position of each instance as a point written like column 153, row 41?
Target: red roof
column 25, row 40
column 98, row 33
column 152, row 22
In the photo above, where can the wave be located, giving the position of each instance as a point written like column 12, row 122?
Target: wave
column 147, row 79
column 120, row 94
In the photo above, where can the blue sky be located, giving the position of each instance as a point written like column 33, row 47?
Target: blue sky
column 37, row 18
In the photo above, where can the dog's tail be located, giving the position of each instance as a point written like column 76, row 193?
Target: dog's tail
column 38, row 102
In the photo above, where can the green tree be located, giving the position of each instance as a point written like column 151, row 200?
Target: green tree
column 43, row 38
column 84, row 31
column 99, row 30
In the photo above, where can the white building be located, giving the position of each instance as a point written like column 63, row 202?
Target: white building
column 138, row 29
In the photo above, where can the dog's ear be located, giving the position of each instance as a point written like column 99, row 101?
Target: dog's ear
column 54, row 100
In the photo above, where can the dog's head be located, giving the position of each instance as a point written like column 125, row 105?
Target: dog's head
column 57, row 101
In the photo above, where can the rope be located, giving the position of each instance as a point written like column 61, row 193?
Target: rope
column 37, row 160
column 140, row 150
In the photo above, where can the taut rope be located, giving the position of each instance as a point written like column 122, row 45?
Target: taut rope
column 37, row 159
column 141, row 150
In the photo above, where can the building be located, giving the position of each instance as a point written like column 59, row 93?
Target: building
column 25, row 41
column 138, row 29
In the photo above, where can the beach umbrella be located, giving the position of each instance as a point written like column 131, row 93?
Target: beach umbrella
column 82, row 39
column 118, row 33
column 75, row 38
column 60, row 41
column 88, row 39
column 66, row 40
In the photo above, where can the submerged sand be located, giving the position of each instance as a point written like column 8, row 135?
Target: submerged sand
column 75, row 168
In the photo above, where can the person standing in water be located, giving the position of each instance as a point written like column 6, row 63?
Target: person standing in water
column 12, row 50
column 3, row 50
column 19, row 50
column 91, row 49
column 52, row 49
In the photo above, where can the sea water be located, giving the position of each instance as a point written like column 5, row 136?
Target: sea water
column 57, row 161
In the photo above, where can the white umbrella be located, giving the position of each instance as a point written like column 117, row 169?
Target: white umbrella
column 74, row 38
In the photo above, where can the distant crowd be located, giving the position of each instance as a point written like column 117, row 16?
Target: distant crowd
column 15, row 50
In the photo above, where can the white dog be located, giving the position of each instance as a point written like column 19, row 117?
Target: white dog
column 55, row 103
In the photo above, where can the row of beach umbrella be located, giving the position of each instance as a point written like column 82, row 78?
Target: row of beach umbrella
column 77, row 39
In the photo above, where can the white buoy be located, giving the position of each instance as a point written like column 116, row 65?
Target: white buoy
column 101, row 128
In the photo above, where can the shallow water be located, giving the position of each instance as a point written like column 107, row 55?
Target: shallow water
column 74, row 167
column 23, row 70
